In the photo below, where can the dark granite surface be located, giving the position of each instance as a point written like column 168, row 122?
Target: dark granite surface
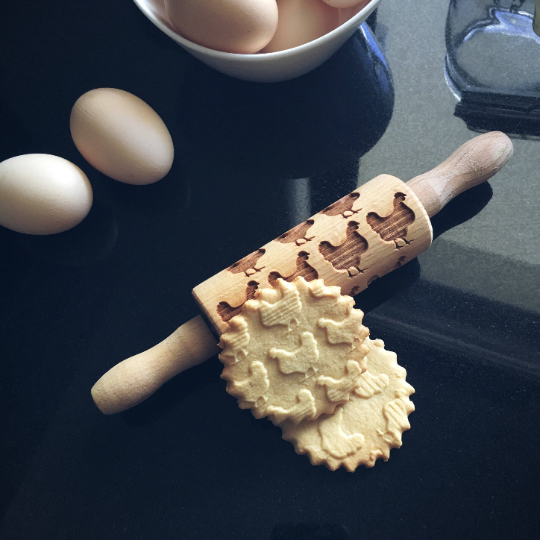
column 251, row 161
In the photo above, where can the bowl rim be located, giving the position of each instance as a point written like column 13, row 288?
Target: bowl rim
column 255, row 57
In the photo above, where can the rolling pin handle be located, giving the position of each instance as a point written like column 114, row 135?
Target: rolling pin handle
column 138, row 377
column 470, row 165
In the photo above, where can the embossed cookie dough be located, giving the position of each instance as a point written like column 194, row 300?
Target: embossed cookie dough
column 295, row 352
column 365, row 428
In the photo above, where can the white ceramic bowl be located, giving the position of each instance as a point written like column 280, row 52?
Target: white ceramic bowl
column 268, row 67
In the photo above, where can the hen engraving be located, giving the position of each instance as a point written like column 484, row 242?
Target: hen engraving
column 346, row 331
column 253, row 387
column 340, row 390
column 304, row 409
column 236, row 341
column 303, row 269
column 247, row 265
column 283, row 310
column 393, row 228
column 347, row 255
column 371, row 385
column 396, row 413
column 227, row 312
column 335, row 441
column 297, row 234
column 299, row 360
column 343, row 207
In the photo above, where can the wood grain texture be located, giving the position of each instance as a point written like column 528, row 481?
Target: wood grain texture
column 363, row 236
column 138, row 377
column 471, row 164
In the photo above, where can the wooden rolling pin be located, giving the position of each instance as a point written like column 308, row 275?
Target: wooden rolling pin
column 366, row 234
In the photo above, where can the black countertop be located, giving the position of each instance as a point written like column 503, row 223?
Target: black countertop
column 253, row 160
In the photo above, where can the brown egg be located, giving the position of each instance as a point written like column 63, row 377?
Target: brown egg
column 360, row 4
column 302, row 21
column 235, row 26
column 346, row 13
column 121, row 136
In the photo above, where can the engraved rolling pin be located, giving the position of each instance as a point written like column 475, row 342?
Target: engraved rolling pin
column 366, row 234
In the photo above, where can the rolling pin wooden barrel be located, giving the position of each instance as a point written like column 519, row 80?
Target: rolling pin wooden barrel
column 378, row 227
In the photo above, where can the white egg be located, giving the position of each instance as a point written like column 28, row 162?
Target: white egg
column 42, row 194
column 121, row 136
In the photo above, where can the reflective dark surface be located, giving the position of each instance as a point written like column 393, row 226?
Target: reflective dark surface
column 493, row 64
column 251, row 161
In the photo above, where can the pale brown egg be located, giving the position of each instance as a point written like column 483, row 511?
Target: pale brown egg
column 302, row 21
column 360, row 4
column 234, row 26
column 346, row 13
column 121, row 136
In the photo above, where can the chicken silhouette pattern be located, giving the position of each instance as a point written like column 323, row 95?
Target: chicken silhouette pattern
column 309, row 340
column 300, row 360
column 347, row 255
column 295, row 349
column 361, row 237
column 247, row 265
column 227, row 312
column 343, row 207
column 297, row 234
column 368, row 425
column 303, row 269
column 393, row 228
